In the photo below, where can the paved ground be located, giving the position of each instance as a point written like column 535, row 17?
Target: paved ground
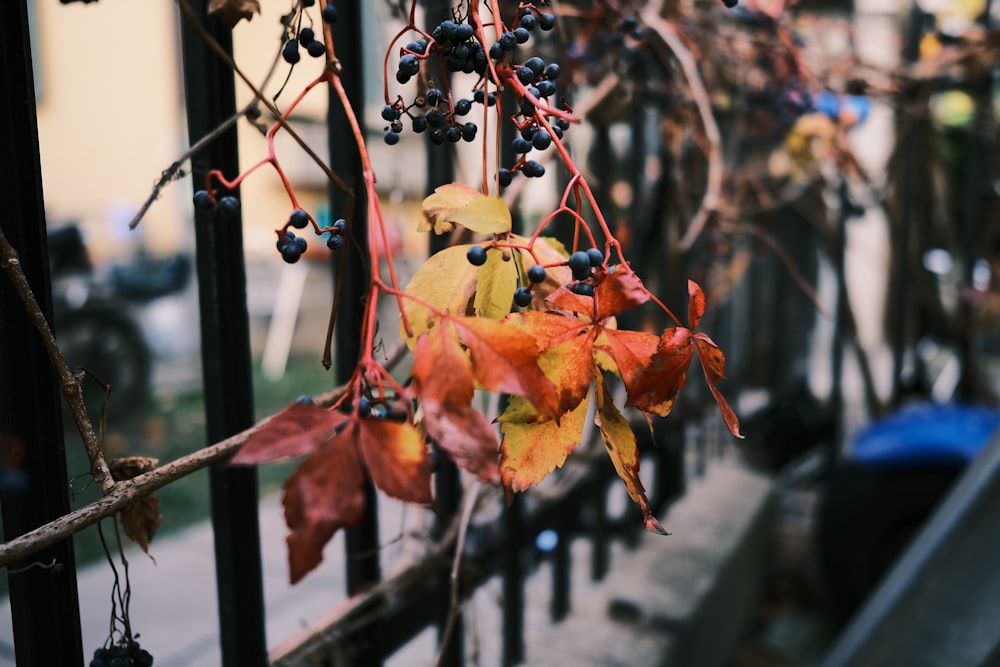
column 173, row 601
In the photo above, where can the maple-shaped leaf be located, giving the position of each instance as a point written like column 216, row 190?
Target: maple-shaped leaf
column 396, row 458
column 295, row 431
column 496, row 281
column 619, row 291
column 141, row 519
column 231, row 12
column 533, row 446
column 620, row 443
column 505, row 360
column 442, row 373
column 324, row 494
column 653, row 368
column 456, row 203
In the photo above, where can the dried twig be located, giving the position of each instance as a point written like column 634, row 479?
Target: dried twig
column 68, row 381
column 470, row 497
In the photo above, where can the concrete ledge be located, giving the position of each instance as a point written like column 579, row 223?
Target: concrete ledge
column 676, row 601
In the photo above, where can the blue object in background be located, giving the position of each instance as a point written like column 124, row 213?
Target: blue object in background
column 836, row 106
column 926, row 436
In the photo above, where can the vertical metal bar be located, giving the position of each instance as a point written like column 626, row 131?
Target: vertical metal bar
column 362, row 541
column 839, row 324
column 44, row 603
column 513, row 587
column 561, row 564
column 225, row 348
column 600, row 557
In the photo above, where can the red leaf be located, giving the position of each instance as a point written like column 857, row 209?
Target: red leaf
column 713, row 362
column 443, row 376
column 297, row 430
column 505, row 359
column 566, row 358
column 323, row 495
column 569, row 301
column 397, row 459
column 618, row 292
column 696, row 304
column 654, row 385
column 620, row 443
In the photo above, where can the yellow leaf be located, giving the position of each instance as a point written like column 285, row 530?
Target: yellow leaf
column 495, row 285
column 620, row 443
column 446, row 281
column 484, row 215
column 532, row 449
column 456, row 203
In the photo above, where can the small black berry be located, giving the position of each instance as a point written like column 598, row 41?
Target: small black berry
column 536, row 64
column 469, row 131
column 596, row 257
column 339, row 225
column 583, row 289
column 552, row 71
column 389, row 113
column 528, row 22
column 525, row 75
column 579, row 264
column 476, row 255
column 433, row 96
column 316, row 48
column 290, row 53
column 546, row 21
column 505, row 176
column 541, row 140
column 335, row 242
column 521, row 35
column 229, row 207
column 202, row 200
column 391, row 138
column 329, row 13
column 306, row 35
column 364, row 406
column 536, row 273
column 462, row 107
column 419, row 124
column 521, row 145
column 437, row 136
column 522, row 297
column 453, row 134
column 730, row 3
column 299, row 219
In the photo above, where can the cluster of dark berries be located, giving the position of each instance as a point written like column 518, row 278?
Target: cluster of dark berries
column 128, row 653
column 460, row 50
column 381, row 410
column 433, row 113
column 228, row 206
column 581, row 265
column 307, row 40
column 526, row 24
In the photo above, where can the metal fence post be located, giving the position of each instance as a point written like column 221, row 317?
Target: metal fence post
column 44, row 602
column 209, row 89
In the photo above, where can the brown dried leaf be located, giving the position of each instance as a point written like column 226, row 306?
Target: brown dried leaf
column 230, row 12
column 141, row 519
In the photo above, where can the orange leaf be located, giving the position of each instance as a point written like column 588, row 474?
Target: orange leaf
column 396, row 458
column 618, row 292
column 566, row 357
column 696, row 304
column 566, row 299
column 505, row 359
column 532, row 448
column 620, row 443
column 324, row 494
column 713, row 362
column 442, row 373
column 652, row 381
column 298, row 429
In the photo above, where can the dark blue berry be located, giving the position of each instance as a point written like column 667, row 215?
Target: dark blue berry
column 409, row 64
column 300, row 244
column 476, row 255
column 453, row 134
column 521, row 35
column 316, row 48
column 525, row 75
column 229, row 207
column 536, row 273
column 305, row 399
column 596, row 257
column 419, row 124
column 307, row 3
column 298, row 219
column 335, row 242
column 546, row 21
column 291, row 255
column 521, row 145
column 541, row 140
column 329, row 13
column 437, row 119
column 551, row 71
column 527, row 106
column 339, row 225
column 533, row 169
column 536, row 64
column 419, row 46
column 462, row 107
column 579, row 265
column 290, row 53
column 505, row 176
column 396, row 126
column 528, row 22
column 433, row 96
column 508, row 40
column 403, row 78
column 497, row 51
column 285, row 241
column 364, row 406
column 469, row 131
column 546, row 88
column 464, row 32
column 389, row 112
column 583, row 289
column 522, row 297
column 437, row 136
column 202, row 200
column 391, row 138
column 306, row 35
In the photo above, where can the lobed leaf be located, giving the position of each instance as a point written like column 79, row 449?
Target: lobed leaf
column 619, row 291
column 295, row 431
column 442, row 373
column 620, row 443
column 456, row 203
column 713, row 363
column 447, row 282
column 323, row 494
column 496, row 281
column 696, row 304
column 396, row 458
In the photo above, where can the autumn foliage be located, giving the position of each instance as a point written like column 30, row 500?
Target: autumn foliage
column 554, row 362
